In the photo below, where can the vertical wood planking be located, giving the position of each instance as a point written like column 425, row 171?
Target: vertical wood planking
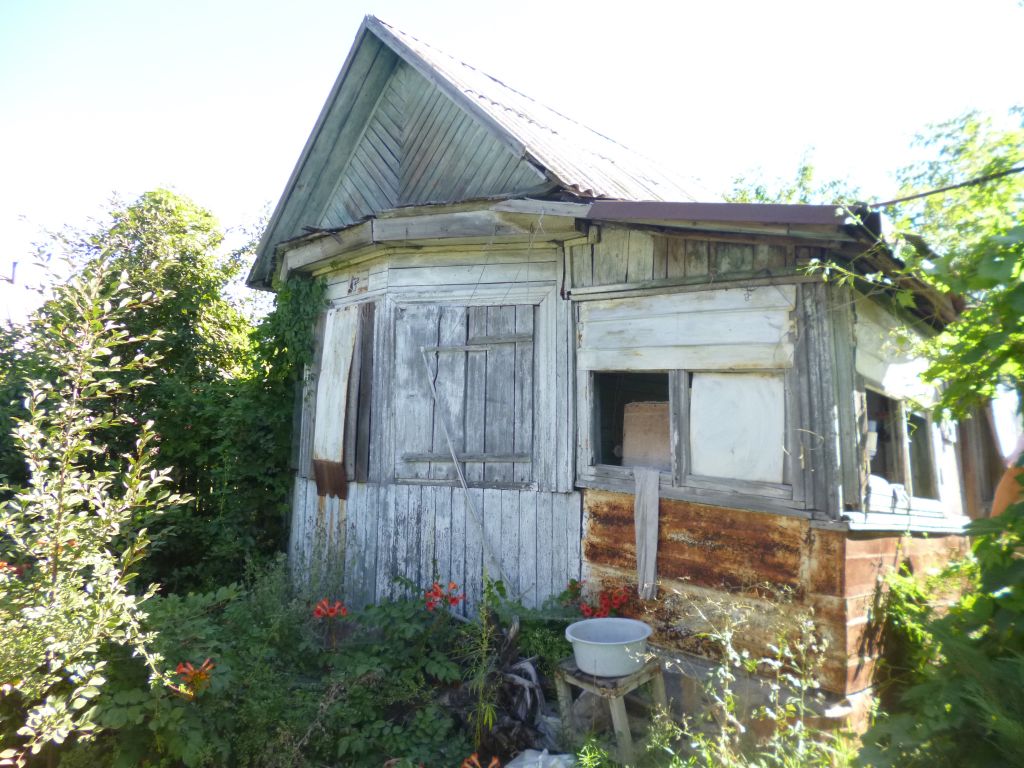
column 425, row 524
column 581, row 259
column 524, row 405
column 574, row 533
column 389, row 532
column 640, row 257
column 459, row 553
column 528, row 546
column 382, row 436
column 368, row 518
column 611, row 256
column 660, row 258
column 733, row 257
column 564, row 409
column 297, row 529
column 450, row 384
column 395, row 540
column 499, row 423
column 696, row 258
column 383, row 530
column 675, row 256
column 416, row 326
column 476, row 388
column 354, row 549
column 491, row 516
column 443, row 530
column 508, row 548
column 546, row 584
column 475, row 532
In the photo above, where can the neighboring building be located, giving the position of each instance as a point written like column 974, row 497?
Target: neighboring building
column 505, row 278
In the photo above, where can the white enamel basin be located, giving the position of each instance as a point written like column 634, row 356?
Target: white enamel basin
column 610, row 647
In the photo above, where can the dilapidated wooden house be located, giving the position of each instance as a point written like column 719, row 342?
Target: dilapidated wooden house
column 533, row 331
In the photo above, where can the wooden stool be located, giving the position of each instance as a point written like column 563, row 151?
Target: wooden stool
column 614, row 689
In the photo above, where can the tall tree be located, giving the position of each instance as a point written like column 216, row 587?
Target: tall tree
column 222, row 389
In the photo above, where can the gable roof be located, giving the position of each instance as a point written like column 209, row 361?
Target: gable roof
column 406, row 124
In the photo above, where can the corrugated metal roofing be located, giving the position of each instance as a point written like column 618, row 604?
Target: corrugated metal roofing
column 579, row 159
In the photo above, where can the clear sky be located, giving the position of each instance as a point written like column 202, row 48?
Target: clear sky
column 215, row 98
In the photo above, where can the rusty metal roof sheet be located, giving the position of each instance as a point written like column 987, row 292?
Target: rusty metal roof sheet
column 579, row 159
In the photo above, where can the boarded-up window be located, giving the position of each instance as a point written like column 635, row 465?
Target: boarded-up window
column 480, row 361
column 737, row 426
column 339, row 343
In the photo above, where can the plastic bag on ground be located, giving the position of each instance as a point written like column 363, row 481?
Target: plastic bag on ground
column 531, row 758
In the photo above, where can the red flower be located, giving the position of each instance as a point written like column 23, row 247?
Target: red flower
column 586, row 610
column 438, row 595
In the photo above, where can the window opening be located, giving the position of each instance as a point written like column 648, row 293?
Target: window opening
column 883, row 441
column 632, row 423
column 922, row 459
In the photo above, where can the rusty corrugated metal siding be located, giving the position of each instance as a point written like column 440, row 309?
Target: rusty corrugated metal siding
column 767, row 569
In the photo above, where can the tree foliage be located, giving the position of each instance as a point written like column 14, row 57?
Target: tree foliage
column 975, row 248
column 964, row 705
column 65, row 564
column 222, row 393
column 804, row 188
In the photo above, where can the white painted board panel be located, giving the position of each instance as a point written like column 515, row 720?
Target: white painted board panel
column 690, row 328
column 332, row 389
column 737, row 426
column 731, row 357
column 761, row 297
column 472, row 275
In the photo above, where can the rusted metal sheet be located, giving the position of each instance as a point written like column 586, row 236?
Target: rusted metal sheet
column 707, row 546
column 718, row 565
column 330, row 477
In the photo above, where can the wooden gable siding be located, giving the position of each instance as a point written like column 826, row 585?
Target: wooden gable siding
column 418, row 146
column 370, row 181
column 634, row 257
column 337, row 133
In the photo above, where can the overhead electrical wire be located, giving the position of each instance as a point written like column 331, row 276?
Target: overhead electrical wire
column 968, row 183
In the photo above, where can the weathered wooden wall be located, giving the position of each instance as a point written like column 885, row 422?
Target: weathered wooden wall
column 637, row 257
column 529, row 539
column 763, row 569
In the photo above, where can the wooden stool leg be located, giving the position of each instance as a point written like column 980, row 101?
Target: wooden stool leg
column 658, row 691
column 620, row 721
column 564, row 703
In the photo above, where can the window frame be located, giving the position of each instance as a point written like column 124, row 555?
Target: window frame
column 680, row 482
column 915, row 504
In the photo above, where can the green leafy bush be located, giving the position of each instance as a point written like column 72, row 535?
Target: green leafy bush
column 282, row 690
column 964, row 700
column 65, row 564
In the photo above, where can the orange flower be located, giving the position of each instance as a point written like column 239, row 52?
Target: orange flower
column 195, row 679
